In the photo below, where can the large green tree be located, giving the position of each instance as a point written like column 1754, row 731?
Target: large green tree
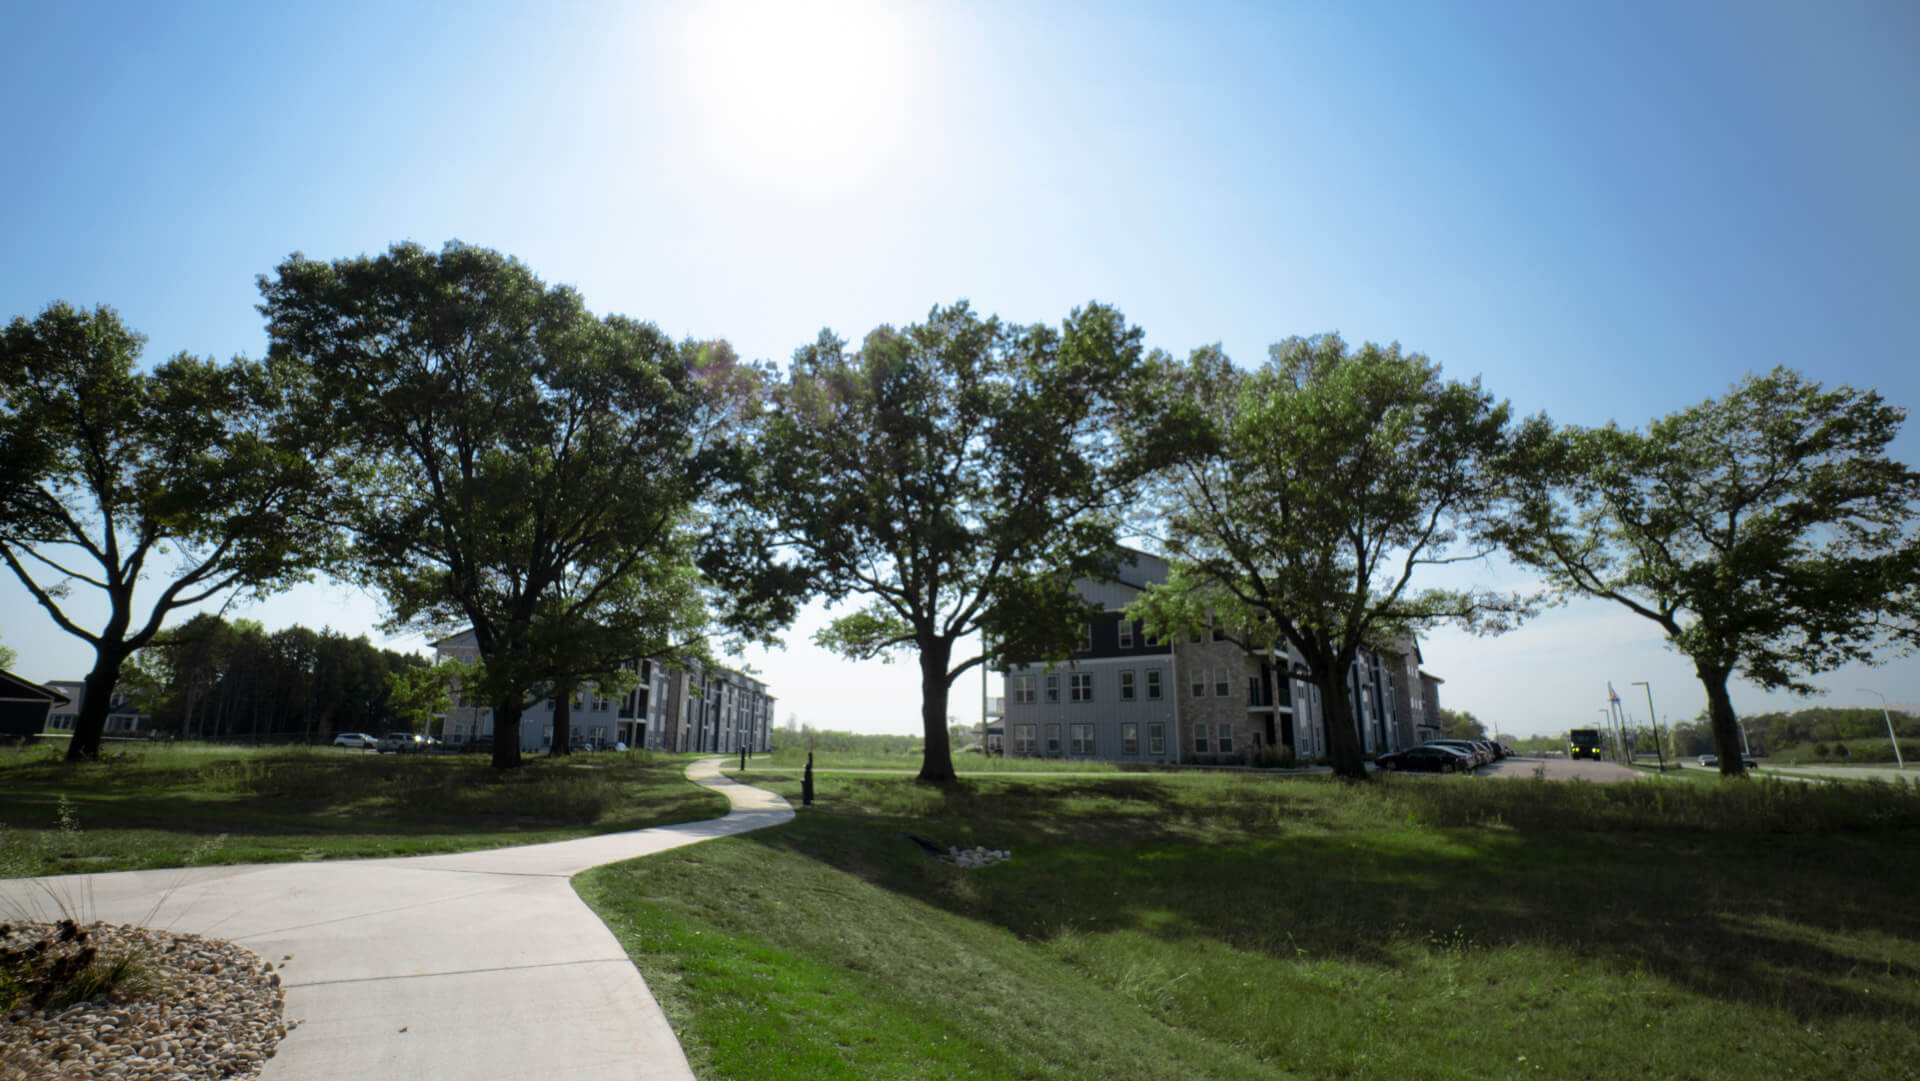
column 523, row 460
column 1766, row 532
column 958, row 474
column 1460, row 724
column 153, row 491
column 1310, row 493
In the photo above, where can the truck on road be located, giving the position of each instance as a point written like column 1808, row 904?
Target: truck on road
column 1583, row 743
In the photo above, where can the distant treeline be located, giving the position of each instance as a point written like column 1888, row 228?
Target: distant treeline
column 1803, row 731
column 1861, row 731
column 211, row 679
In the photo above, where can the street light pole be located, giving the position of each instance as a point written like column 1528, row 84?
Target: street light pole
column 1888, row 717
column 1654, row 720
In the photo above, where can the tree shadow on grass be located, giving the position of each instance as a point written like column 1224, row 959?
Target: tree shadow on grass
column 1714, row 900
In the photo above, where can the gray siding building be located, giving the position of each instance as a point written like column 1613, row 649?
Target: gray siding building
column 1202, row 701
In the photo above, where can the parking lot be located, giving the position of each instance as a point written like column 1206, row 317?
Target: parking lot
column 1558, row 769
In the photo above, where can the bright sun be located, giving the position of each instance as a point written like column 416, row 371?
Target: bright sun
column 801, row 91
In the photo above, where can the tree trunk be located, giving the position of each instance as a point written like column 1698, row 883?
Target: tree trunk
column 506, row 735
column 95, row 703
column 1343, row 734
column 1726, row 726
column 937, row 766
column 562, row 722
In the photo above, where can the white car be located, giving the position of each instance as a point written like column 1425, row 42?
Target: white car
column 354, row 739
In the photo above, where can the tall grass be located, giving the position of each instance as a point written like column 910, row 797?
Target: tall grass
column 1227, row 925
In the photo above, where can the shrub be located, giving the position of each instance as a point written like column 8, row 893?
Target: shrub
column 55, row 965
column 1822, row 750
column 1280, row 757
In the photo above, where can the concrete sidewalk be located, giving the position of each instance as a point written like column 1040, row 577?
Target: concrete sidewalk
column 472, row 966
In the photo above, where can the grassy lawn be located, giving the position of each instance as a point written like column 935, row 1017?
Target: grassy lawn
column 1233, row 926
column 796, row 758
column 159, row 806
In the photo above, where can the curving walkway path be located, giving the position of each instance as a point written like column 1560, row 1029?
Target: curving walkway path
column 476, row 966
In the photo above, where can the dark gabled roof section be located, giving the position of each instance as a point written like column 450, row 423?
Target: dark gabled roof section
column 1137, row 569
column 13, row 687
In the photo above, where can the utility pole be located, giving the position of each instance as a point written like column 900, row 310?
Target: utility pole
column 1654, row 720
column 1888, row 717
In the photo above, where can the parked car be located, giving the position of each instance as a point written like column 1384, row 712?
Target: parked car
column 1479, row 755
column 402, row 743
column 1427, row 758
column 355, row 739
column 1709, row 759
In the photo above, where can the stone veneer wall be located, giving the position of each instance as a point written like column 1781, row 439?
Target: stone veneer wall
column 1212, row 709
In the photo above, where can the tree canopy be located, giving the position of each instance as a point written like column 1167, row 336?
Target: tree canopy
column 527, row 469
column 1460, row 724
column 1765, row 532
column 196, row 478
column 1310, row 493
column 959, row 474
column 209, row 678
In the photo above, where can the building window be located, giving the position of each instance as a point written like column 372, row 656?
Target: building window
column 1219, row 635
column 1023, row 690
column 1199, row 683
column 1053, row 687
column 1153, row 684
column 1129, row 739
column 1222, row 683
column 1126, row 634
column 1053, row 739
column 1156, row 739
column 1081, row 687
column 1083, row 739
column 1226, row 740
column 1086, row 637
column 1126, row 685
column 1023, row 735
column 1199, row 739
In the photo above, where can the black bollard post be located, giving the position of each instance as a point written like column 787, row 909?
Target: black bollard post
column 806, row 783
column 743, row 758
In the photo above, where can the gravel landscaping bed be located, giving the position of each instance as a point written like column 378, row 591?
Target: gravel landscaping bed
column 186, row 1009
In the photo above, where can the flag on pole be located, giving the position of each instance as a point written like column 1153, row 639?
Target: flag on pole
column 1611, row 695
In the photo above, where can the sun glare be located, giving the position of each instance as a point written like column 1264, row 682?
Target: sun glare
column 798, row 90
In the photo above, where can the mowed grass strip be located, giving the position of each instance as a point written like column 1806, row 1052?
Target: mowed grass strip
column 963, row 762
column 1243, row 926
column 184, row 805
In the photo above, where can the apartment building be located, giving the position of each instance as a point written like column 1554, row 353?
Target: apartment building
column 1203, row 701
column 710, row 709
column 122, row 719
column 669, row 708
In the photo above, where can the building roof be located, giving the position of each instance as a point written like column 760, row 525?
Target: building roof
column 15, row 689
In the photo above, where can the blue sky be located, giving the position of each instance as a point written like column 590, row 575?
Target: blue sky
column 1605, row 213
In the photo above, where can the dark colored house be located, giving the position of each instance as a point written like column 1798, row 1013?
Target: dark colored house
column 24, row 707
